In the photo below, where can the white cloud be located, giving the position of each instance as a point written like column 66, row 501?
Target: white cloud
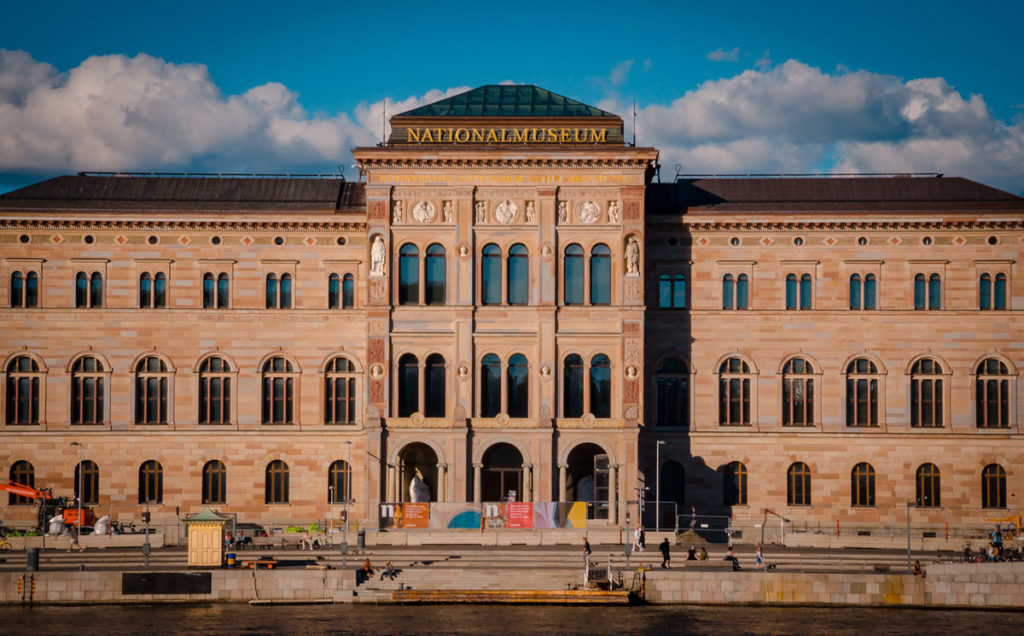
column 721, row 55
column 620, row 73
column 764, row 62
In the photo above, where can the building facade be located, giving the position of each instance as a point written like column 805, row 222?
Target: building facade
column 509, row 305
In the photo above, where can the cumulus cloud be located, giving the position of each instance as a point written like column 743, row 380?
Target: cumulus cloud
column 721, row 55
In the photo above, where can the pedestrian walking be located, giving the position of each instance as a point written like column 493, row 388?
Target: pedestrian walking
column 637, row 535
column 664, row 547
column 586, row 552
column 759, row 557
column 74, row 540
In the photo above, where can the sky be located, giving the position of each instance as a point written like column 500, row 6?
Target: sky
column 742, row 87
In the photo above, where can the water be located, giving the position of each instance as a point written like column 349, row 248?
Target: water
column 493, row 620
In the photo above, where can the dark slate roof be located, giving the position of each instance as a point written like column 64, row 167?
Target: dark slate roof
column 494, row 100
column 188, row 192
column 837, row 193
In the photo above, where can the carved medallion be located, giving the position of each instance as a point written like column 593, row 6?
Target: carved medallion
column 505, row 212
column 424, row 212
column 588, row 212
column 377, row 371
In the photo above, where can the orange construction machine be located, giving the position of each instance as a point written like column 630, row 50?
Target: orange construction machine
column 50, row 506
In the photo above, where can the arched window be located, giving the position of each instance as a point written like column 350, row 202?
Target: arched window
column 490, row 385
column 798, row 485
column 434, row 391
column 600, row 275
column 214, row 391
column 799, row 294
column 215, row 291
column 223, row 289
column 798, row 393
column 339, row 391
column 862, row 485
column 435, row 270
column 518, row 386
column 279, row 291
column 276, row 489
column 87, row 391
column 215, row 483
column 672, row 291
column 24, row 289
column 934, row 292
column 993, row 487
column 278, row 391
column 338, row 477
column 742, row 292
column 271, row 291
column 89, row 473
column 728, row 292
column 989, row 298
column 734, row 484
column 806, row 291
column 490, row 275
column 152, row 290
column 23, row 473
column 927, row 292
column 855, row 292
column 600, row 386
column 572, row 386
column 992, row 394
column 24, row 382
column 672, row 393
column 88, row 290
column 96, row 290
column 408, row 385
column 145, row 290
column 573, row 275
column 160, row 290
column 734, row 393
column 791, row 292
column 869, row 298
column 926, row 394
column 151, row 482
column 348, row 291
column 861, row 393
column 928, row 486
column 333, row 291
column 151, row 391
column 518, row 275
column 409, row 275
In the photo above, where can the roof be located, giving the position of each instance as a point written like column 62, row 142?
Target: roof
column 507, row 100
column 188, row 192
column 827, row 193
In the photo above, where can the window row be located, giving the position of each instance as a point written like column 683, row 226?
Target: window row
column 993, row 389
column 213, row 486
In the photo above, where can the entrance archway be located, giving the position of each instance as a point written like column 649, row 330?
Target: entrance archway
column 588, row 479
column 413, row 459
column 502, row 473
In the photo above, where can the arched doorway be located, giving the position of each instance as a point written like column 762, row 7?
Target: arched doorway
column 502, row 473
column 588, row 479
column 417, row 459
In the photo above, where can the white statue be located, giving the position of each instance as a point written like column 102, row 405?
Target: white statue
column 378, row 254
column 481, row 212
column 418, row 490
column 632, row 257
column 563, row 212
column 613, row 212
column 396, row 212
column 424, row 212
column 505, row 212
column 589, row 212
column 531, row 213
column 447, row 211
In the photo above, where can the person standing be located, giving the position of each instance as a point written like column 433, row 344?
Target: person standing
column 637, row 534
column 664, row 547
column 759, row 557
column 586, row 552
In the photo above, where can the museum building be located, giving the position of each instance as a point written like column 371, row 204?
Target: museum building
column 512, row 303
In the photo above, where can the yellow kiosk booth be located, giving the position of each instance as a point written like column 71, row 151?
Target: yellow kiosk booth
column 206, row 539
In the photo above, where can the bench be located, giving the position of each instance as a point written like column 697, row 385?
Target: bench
column 711, row 565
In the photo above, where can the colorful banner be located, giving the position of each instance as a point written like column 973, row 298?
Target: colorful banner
column 417, row 515
column 520, row 514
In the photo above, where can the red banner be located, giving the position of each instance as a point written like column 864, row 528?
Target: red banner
column 520, row 514
column 416, row 515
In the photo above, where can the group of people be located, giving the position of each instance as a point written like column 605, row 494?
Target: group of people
column 364, row 573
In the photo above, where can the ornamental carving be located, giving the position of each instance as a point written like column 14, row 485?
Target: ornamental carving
column 424, row 212
column 632, row 355
column 376, row 351
column 588, row 212
column 633, row 211
column 632, row 257
column 632, row 289
column 377, row 371
column 447, row 212
column 613, row 212
column 631, row 372
column 481, row 212
column 378, row 256
column 378, row 291
column 377, row 391
column 396, row 212
column 563, row 212
column 531, row 212
column 505, row 212
column 377, row 210
column 632, row 392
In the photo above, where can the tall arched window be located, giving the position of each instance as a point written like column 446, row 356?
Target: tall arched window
column 88, row 290
column 791, row 292
column 89, row 474
column 22, row 472
column 276, row 488
column 151, row 482
column 24, row 289
column 408, row 385
column 333, row 291
column 927, row 291
column 434, row 390
column 734, row 484
column 799, row 292
column 279, row 291
column 518, row 393
column 518, row 275
column 152, row 290
column 145, row 290
column 338, row 477
column 96, row 290
column 600, row 275
column 215, row 483
column 990, row 297
column 601, row 386
column 993, row 487
column 862, row 485
column 339, row 391
column 572, row 386
column 672, row 393
column 992, row 394
column 24, row 382
column 223, row 289
column 672, row 291
column 863, row 295
column 926, row 394
column 214, row 391
column 928, row 486
column 435, row 274
column 798, row 485
column 87, row 391
column 934, row 292
column 151, row 391
column 855, row 292
column 348, row 291
column 409, row 275
column 728, row 292
column 742, row 292
column 573, row 275
column 861, row 393
column 490, row 275
column 490, row 385
column 216, row 290
column 278, row 391
column 734, row 393
column 271, row 294
column 797, row 393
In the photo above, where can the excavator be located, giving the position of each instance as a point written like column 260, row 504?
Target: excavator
column 50, row 506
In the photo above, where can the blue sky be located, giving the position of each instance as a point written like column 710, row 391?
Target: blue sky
column 743, row 87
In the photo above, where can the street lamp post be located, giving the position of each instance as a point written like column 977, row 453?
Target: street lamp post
column 330, row 493
column 348, row 495
column 81, row 488
column 657, row 485
column 909, row 566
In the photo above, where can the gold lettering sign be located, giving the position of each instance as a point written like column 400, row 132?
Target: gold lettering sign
column 454, row 179
column 507, row 135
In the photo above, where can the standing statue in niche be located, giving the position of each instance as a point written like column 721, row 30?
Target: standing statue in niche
column 419, row 491
column 378, row 254
column 481, row 212
column 531, row 213
column 447, row 212
column 632, row 257
column 613, row 212
column 396, row 212
column 563, row 212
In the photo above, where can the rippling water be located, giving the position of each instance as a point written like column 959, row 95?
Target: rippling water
column 495, row 619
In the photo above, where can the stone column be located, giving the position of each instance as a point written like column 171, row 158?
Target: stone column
column 561, row 481
column 613, row 491
column 527, row 483
column 477, row 495
column 442, row 479
column 389, row 494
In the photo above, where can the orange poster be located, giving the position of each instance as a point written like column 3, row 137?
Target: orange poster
column 417, row 515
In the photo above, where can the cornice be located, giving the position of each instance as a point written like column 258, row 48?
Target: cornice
column 698, row 227
column 130, row 225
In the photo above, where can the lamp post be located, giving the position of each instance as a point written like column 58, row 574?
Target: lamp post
column 657, row 485
column 348, row 495
column 81, row 487
column 909, row 566
column 330, row 497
